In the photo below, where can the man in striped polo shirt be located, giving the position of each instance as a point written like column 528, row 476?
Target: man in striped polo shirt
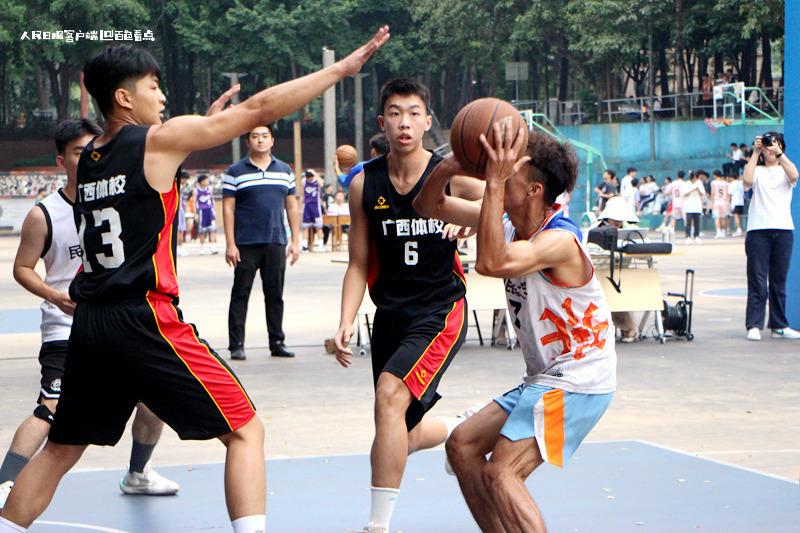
column 256, row 192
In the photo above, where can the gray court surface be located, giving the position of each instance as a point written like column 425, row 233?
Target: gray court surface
column 607, row 487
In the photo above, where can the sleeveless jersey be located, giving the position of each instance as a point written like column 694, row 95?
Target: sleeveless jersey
column 127, row 229
column 412, row 270
column 677, row 193
column 719, row 191
column 205, row 198
column 311, row 193
column 566, row 333
column 62, row 259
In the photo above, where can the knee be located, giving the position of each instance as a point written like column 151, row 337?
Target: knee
column 459, row 449
column 63, row 455
column 391, row 395
column 251, row 433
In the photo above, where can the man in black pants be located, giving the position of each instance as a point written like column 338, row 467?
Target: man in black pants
column 255, row 193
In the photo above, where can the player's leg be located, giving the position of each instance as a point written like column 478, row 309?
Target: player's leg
column 245, row 471
column 243, row 275
column 27, row 440
column 140, row 478
column 466, row 451
column 504, row 477
column 188, row 386
column 390, row 447
column 38, row 481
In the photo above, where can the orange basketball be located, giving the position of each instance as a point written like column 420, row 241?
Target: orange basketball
column 346, row 155
column 479, row 117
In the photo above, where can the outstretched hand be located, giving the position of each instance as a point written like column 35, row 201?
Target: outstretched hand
column 352, row 64
column 219, row 104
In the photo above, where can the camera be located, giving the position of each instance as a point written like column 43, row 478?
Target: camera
column 767, row 139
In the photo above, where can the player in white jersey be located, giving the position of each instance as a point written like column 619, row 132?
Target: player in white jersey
column 722, row 203
column 49, row 233
column 559, row 313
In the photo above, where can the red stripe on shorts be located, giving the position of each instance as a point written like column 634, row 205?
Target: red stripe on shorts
column 430, row 362
column 224, row 389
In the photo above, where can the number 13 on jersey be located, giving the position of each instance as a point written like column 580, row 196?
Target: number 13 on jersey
column 110, row 237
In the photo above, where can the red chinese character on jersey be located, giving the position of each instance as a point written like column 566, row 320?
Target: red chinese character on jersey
column 585, row 333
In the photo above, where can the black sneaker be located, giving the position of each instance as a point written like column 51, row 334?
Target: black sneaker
column 279, row 350
column 238, row 354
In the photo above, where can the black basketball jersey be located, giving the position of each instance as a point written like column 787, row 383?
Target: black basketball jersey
column 127, row 229
column 411, row 268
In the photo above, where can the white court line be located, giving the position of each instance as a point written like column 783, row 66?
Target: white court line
column 726, row 452
column 80, row 526
column 723, row 463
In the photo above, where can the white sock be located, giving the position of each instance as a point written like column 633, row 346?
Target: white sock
column 383, row 502
column 7, row 526
column 250, row 524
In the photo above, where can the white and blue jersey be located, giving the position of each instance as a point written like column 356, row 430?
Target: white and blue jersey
column 260, row 195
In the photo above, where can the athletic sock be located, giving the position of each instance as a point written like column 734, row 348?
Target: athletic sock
column 12, row 466
column 250, row 524
column 383, row 502
column 7, row 526
column 140, row 455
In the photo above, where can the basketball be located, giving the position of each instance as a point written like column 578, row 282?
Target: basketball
column 479, row 117
column 346, row 155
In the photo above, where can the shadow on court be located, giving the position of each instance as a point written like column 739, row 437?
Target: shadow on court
column 607, row 487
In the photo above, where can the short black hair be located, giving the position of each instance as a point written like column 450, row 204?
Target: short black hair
column 70, row 129
column 611, row 172
column 202, row 177
column 405, row 87
column 681, row 174
column 717, row 173
column 553, row 163
column 631, row 169
column 635, row 182
column 380, row 143
column 114, row 67
column 667, row 179
column 700, row 172
column 735, row 145
column 184, row 175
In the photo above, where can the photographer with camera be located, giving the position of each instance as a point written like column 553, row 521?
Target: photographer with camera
column 768, row 245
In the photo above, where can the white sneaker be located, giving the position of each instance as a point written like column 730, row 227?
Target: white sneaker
column 753, row 334
column 689, row 240
column 148, row 482
column 737, row 233
column 374, row 529
column 697, row 240
column 452, row 423
column 321, row 248
column 785, row 333
column 719, row 235
column 5, row 490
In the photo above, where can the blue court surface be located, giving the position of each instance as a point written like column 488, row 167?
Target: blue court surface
column 20, row 320
column 607, row 487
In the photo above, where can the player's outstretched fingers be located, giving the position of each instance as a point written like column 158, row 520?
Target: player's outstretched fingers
column 224, row 98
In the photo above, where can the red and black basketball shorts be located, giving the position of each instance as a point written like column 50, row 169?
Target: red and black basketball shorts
column 121, row 353
column 418, row 350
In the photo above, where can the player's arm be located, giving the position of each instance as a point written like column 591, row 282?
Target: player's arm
column 496, row 257
column 293, row 214
column 31, row 247
column 433, row 202
column 232, row 256
column 355, row 279
column 178, row 137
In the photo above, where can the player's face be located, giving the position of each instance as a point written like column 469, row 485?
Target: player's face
column 148, row 101
column 260, row 141
column 72, row 152
column 405, row 121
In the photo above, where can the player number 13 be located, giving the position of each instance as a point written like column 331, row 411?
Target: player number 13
column 110, row 237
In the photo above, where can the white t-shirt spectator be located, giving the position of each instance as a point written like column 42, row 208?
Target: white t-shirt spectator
column 770, row 207
column 628, row 191
column 693, row 201
column 339, row 210
column 737, row 154
column 736, row 190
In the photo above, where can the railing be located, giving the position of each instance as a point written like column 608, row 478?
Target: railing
column 565, row 112
column 670, row 105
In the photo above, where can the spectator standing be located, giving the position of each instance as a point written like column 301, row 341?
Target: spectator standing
column 206, row 215
column 693, row 193
column 736, row 192
column 605, row 189
column 768, row 245
column 257, row 192
column 626, row 188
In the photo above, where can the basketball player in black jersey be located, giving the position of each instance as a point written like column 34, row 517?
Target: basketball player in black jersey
column 416, row 281
column 128, row 342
